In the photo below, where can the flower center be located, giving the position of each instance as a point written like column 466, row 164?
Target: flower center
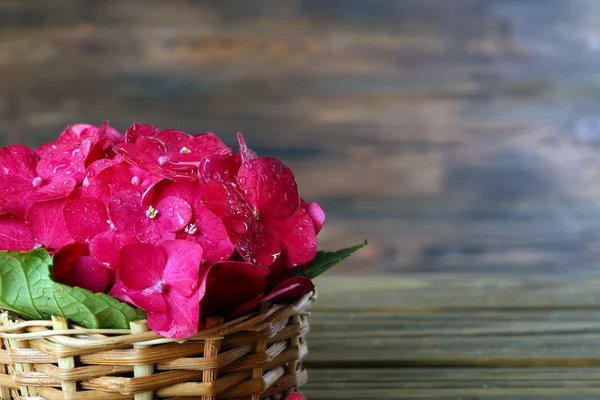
column 256, row 215
column 191, row 229
column 37, row 182
column 151, row 212
column 135, row 181
column 160, row 287
column 163, row 160
column 185, row 150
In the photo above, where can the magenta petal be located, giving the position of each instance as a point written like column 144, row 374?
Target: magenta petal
column 56, row 188
column 64, row 162
column 136, row 130
column 226, row 203
column 18, row 160
column 47, row 224
column 290, row 290
column 14, row 191
column 231, row 285
column 297, row 237
column 245, row 308
column 141, row 265
column 97, row 167
column 245, row 154
column 258, row 246
column 148, row 300
column 295, row 396
column 105, row 247
column 269, row 187
column 86, row 218
column 317, row 215
column 218, row 167
column 14, row 235
column 210, row 233
column 181, row 318
column 182, row 266
column 125, row 210
column 121, row 292
column 149, row 231
column 88, row 274
column 173, row 213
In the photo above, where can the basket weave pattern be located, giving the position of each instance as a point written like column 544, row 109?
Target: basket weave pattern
column 255, row 357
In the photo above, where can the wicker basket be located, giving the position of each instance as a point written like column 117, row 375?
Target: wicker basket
column 254, row 357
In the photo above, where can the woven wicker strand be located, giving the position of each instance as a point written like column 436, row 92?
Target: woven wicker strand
column 257, row 356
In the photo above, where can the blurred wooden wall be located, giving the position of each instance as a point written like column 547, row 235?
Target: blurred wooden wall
column 453, row 134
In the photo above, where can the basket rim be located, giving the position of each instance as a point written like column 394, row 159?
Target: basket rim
column 82, row 337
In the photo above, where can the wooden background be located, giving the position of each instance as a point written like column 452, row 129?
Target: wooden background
column 456, row 135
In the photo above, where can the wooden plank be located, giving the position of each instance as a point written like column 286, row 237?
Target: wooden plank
column 456, row 320
column 454, row 383
column 433, row 292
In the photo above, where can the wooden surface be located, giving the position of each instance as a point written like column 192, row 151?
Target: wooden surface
column 456, row 135
column 455, row 336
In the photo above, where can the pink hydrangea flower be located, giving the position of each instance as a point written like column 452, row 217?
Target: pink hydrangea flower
column 263, row 215
column 163, row 280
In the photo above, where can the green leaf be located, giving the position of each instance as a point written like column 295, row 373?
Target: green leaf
column 327, row 259
column 27, row 288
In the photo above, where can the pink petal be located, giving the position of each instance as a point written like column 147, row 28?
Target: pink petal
column 14, row 192
column 188, row 191
column 150, row 231
column 295, row 396
column 269, row 187
column 105, row 247
column 231, row 285
column 182, row 266
column 121, row 292
column 57, row 187
column 141, row 266
column 181, row 318
column 65, row 259
column 148, row 300
column 14, row 235
column 95, row 168
column 297, row 237
column 86, row 218
column 210, row 233
column 290, row 290
column 226, row 203
column 125, row 210
column 258, row 245
column 245, row 308
column 317, row 215
column 75, row 134
column 47, row 224
column 88, row 274
column 18, row 160
column 245, row 154
column 173, row 213
column 218, row 167
column 136, row 130
column 63, row 162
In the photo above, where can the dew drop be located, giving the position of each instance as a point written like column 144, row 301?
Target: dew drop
column 36, row 246
column 170, row 209
column 37, row 181
column 91, row 174
column 135, row 181
column 242, row 180
column 249, row 166
column 163, row 160
column 117, row 201
column 216, row 175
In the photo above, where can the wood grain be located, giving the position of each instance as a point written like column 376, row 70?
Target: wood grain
column 456, row 135
column 455, row 336
column 454, row 383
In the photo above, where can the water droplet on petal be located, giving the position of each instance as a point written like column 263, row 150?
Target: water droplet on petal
column 163, row 160
column 37, row 246
column 216, row 175
column 242, row 180
column 170, row 208
column 37, row 181
column 135, row 181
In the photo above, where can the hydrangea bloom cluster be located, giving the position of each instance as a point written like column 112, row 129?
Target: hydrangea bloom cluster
column 178, row 225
